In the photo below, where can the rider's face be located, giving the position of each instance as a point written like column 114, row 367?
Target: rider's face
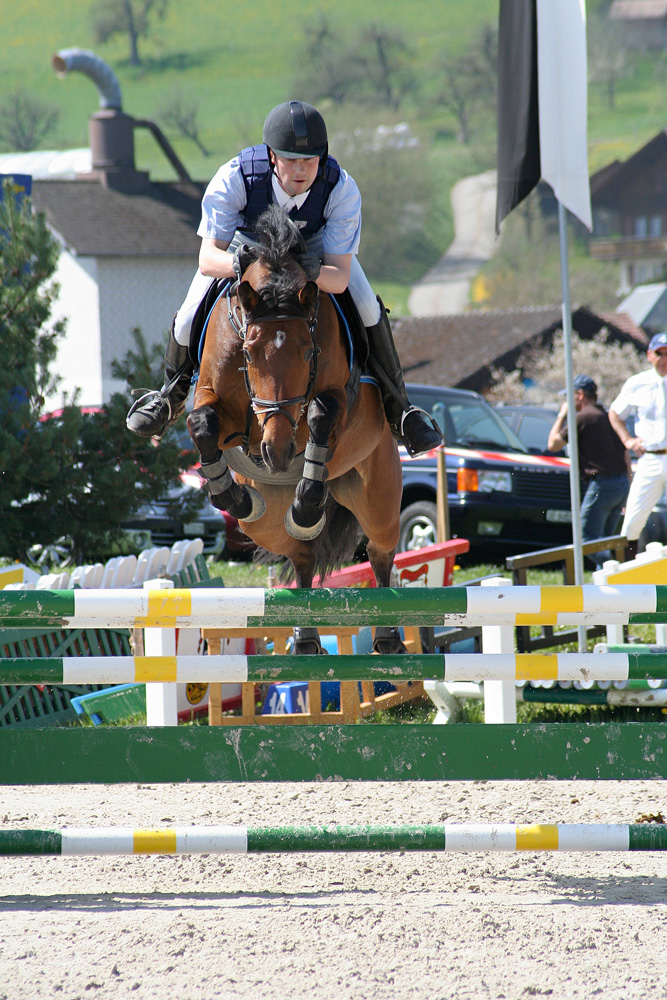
column 295, row 176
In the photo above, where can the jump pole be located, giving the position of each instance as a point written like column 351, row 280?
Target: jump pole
column 456, row 838
column 238, row 668
column 257, row 607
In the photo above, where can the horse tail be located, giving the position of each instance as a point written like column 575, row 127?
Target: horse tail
column 334, row 547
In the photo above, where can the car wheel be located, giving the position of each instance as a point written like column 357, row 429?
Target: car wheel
column 418, row 526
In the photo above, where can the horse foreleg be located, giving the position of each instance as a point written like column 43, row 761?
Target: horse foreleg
column 306, row 517
column 306, row 638
column 386, row 638
column 243, row 502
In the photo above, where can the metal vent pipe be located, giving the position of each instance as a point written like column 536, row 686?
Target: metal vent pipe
column 68, row 60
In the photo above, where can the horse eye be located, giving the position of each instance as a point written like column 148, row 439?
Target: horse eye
column 309, row 353
column 246, row 355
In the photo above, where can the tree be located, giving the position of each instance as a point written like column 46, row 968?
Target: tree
column 25, row 120
column 607, row 57
column 370, row 66
column 125, row 17
column 180, row 114
column 539, row 373
column 73, row 474
column 469, row 80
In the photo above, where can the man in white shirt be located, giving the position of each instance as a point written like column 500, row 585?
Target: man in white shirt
column 292, row 168
column 644, row 396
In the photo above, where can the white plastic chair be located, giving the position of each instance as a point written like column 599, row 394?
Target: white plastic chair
column 125, row 572
column 110, row 569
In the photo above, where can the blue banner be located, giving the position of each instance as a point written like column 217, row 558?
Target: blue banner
column 22, row 185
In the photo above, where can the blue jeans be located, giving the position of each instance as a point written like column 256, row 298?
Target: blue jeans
column 601, row 510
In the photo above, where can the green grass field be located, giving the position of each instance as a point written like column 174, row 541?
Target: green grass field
column 234, row 64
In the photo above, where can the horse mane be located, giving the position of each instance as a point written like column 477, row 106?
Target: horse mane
column 277, row 242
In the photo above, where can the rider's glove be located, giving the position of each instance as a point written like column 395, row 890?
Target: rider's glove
column 310, row 263
column 243, row 258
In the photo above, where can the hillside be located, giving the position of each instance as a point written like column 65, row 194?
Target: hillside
column 233, row 64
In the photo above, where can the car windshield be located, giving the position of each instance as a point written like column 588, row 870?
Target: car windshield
column 468, row 422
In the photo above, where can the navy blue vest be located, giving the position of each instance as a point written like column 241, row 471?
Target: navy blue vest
column 256, row 170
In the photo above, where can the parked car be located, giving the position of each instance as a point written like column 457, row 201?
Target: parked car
column 162, row 523
column 531, row 424
column 499, row 494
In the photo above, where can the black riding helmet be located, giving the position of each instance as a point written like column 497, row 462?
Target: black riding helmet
column 295, row 130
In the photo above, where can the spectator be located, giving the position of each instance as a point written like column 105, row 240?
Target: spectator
column 644, row 396
column 603, row 465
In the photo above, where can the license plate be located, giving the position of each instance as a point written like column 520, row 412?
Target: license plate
column 194, row 529
column 559, row 516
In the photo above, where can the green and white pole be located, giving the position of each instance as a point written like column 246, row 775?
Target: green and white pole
column 75, row 841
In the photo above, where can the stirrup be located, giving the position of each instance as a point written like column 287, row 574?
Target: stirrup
column 411, row 451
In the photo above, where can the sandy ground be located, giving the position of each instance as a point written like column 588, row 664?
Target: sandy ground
column 432, row 926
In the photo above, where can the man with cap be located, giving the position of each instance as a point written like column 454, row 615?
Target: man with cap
column 603, row 465
column 643, row 395
column 291, row 168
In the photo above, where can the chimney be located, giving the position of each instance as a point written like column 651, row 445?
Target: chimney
column 110, row 130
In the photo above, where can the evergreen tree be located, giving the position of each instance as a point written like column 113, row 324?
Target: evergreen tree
column 71, row 475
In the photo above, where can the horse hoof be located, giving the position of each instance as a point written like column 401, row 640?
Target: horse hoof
column 258, row 505
column 388, row 641
column 307, row 642
column 303, row 534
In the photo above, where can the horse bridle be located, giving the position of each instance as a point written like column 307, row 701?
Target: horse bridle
column 273, row 407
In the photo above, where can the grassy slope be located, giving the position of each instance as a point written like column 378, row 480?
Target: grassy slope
column 235, row 63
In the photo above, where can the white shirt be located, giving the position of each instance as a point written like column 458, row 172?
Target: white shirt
column 225, row 199
column 644, row 394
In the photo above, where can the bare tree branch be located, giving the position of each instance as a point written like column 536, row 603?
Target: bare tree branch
column 25, row 120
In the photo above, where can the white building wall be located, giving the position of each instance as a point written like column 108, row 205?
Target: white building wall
column 137, row 292
column 103, row 300
column 78, row 361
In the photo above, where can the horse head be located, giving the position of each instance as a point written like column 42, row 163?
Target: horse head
column 279, row 354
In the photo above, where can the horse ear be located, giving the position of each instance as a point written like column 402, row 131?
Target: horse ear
column 308, row 297
column 248, row 297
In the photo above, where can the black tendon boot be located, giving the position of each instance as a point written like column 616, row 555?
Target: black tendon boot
column 157, row 410
column 413, row 427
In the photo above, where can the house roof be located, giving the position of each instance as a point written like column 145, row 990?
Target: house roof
column 637, row 10
column 460, row 350
column 647, row 305
column 606, row 182
column 93, row 220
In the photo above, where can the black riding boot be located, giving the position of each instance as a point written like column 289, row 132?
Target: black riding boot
column 157, row 410
column 413, row 427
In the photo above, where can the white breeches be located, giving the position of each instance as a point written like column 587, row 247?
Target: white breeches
column 648, row 485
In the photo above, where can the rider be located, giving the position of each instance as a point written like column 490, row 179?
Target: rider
column 292, row 168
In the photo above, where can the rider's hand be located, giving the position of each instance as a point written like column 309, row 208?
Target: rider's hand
column 310, row 263
column 243, row 258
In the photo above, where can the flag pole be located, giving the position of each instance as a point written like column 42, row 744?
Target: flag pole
column 575, row 496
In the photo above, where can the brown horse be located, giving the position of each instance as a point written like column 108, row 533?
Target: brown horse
column 276, row 401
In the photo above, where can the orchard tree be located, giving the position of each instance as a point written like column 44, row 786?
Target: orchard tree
column 132, row 18
column 25, row 120
column 71, row 475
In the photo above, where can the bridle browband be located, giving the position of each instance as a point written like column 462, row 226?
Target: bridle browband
column 264, row 314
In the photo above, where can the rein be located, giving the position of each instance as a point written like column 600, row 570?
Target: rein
column 273, row 407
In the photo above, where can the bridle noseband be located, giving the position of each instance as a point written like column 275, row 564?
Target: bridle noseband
column 273, row 407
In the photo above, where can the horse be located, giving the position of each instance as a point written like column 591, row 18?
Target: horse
column 279, row 401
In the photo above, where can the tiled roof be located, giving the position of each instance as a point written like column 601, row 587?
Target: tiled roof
column 459, row 350
column 95, row 221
